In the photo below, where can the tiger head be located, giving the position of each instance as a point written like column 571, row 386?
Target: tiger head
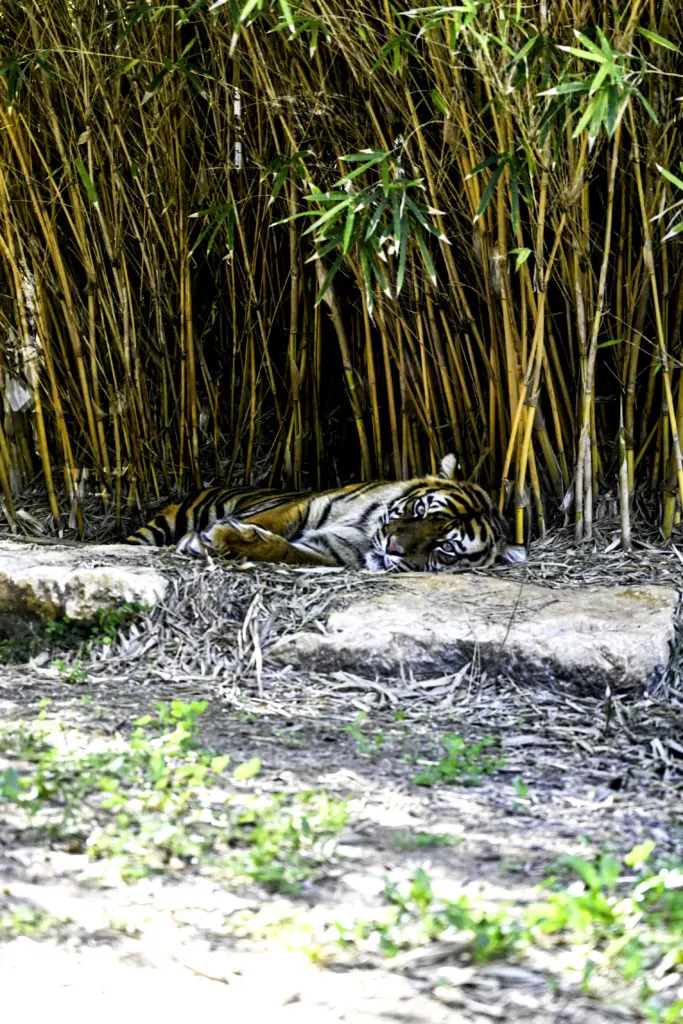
column 439, row 525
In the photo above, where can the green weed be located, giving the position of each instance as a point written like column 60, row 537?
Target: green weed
column 424, row 840
column 463, row 762
column 366, row 747
column 159, row 802
column 70, row 674
column 618, row 923
column 29, row 921
column 20, row 641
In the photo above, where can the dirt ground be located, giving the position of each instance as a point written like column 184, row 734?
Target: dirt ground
column 578, row 776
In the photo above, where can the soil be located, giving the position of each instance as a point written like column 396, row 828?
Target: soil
column 580, row 775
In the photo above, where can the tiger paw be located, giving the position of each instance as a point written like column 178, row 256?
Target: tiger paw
column 192, row 544
column 233, row 539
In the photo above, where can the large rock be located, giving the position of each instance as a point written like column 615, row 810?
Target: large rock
column 431, row 623
column 52, row 581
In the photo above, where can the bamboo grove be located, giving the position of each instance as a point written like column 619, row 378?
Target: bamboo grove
column 338, row 240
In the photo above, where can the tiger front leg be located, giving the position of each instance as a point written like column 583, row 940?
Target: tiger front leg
column 234, row 539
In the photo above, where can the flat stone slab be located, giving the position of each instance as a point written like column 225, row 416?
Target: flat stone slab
column 430, row 624
column 52, row 581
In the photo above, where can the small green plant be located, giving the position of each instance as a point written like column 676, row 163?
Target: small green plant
column 424, row 840
column 364, row 746
column 71, row 674
column 463, row 762
column 417, row 916
column 20, row 641
column 29, row 921
column 107, row 623
column 521, row 787
column 159, row 801
column 617, row 921
column 179, row 715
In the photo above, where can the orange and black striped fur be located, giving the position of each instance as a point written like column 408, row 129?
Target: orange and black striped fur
column 430, row 523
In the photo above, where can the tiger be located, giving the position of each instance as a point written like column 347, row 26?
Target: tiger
column 428, row 524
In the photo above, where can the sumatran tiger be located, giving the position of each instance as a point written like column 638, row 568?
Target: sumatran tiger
column 431, row 523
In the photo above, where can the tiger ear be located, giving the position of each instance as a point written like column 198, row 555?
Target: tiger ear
column 449, row 464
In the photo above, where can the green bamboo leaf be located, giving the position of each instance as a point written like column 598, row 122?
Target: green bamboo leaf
column 327, row 247
column 326, row 197
column 128, row 66
column 379, row 274
column 402, row 255
column 88, row 183
column 280, row 179
column 220, row 221
column 156, row 82
column 489, row 190
column 614, row 103
column 647, row 106
column 364, row 155
column 590, row 45
column 396, row 213
column 296, row 216
column 584, row 54
column 385, row 176
column 604, row 45
column 488, row 162
column 352, row 175
column 599, row 115
column 526, row 49
column 670, row 177
column 329, row 278
column 286, row 12
column 659, row 40
column 426, row 258
column 514, row 200
column 328, row 216
column 674, row 231
column 438, row 101
column 600, row 77
column 375, row 219
column 348, row 229
column 248, row 7
column 10, row 67
column 367, row 279
column 566, row 87
column 394, row 48
column 585, row 119
column 612, row 342
column 522, row 255
column 420, row 217
column 45, row 68
column 313, row 45
column 503, row 45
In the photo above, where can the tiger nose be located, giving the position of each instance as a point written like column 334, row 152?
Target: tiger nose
column 394, row 547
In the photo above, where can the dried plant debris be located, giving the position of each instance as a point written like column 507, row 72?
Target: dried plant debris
column 465, row 790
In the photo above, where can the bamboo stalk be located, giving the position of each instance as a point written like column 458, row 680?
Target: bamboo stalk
column 584, row 484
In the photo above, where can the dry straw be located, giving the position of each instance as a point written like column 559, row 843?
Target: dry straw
column 481, row 187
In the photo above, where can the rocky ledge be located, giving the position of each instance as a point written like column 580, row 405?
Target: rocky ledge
column 54, row 580
column 415, row 623
column 587, row 636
